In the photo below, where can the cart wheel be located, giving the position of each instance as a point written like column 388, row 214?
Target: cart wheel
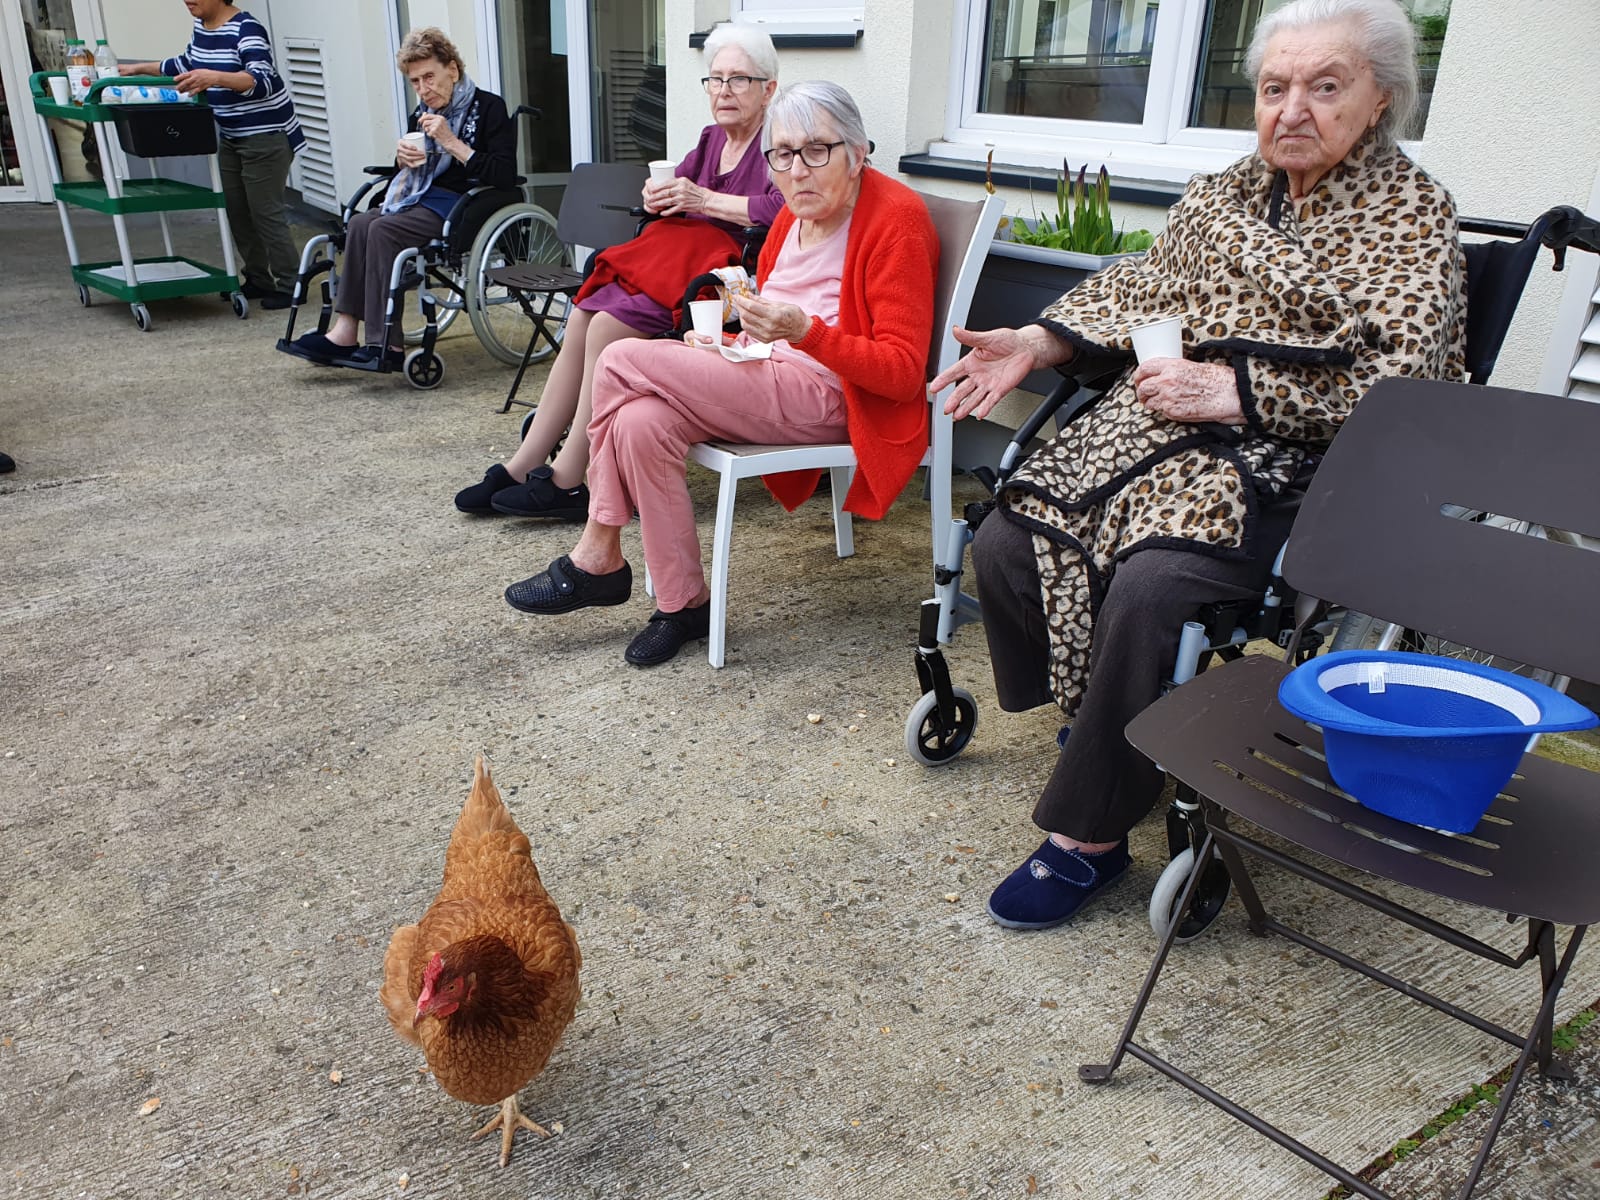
column 424, row 370
column 931, row 744
column 83, row 295
column 141, row 317
column 1209, row 898
column 241, row 306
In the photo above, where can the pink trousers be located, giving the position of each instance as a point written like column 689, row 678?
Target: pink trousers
column 652, row 400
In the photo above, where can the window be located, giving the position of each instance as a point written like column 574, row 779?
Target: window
column 1157, row 85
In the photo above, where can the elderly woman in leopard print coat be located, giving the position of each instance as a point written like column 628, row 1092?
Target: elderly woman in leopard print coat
column 1322, row 262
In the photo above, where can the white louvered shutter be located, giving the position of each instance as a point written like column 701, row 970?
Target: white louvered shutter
column 1583, row 380
column 313, row 166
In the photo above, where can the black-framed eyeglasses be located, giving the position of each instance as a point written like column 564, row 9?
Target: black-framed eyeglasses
column 813, row 154
column 737, row 84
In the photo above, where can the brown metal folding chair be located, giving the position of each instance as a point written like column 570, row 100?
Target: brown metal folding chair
column 1375, row 533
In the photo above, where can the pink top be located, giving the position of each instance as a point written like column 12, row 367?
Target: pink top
column 807, row 277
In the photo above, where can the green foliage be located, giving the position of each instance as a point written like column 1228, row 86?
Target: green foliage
column 1083, row 219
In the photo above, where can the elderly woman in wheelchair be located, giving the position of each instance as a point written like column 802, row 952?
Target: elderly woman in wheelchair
column 720, row 187
column 1308, row 270
column 835, row 345
column 466, row 139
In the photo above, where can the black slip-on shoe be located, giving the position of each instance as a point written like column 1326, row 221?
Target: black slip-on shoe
column 540, row 497
column 315, row 347
column 666, row 634
column 475, row 499
column 273, row 300
column 368, row 358
column 562, row 587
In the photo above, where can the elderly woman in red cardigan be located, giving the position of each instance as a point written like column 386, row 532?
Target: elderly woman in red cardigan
column 846, row 283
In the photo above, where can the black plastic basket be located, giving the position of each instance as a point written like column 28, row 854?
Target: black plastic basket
column 166, row 130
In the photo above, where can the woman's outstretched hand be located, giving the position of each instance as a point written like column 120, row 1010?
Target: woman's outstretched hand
column 1194, row 392
column 1000, row 360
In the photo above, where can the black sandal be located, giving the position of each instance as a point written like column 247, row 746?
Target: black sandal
column 562, row 587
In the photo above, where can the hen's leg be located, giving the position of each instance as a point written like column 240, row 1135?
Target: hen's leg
column 507, row 1121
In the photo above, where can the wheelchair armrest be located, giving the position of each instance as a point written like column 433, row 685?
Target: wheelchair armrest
column 367, row 191
column 385, row 172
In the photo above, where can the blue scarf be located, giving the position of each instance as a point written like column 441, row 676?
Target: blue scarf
column 412, row 182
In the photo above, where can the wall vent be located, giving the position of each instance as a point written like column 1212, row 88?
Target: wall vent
column 313, row 166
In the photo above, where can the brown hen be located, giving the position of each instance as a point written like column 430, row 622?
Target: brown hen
column 487, row 981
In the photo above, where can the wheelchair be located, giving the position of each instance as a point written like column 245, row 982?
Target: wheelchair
column 942, row 721
column 487, row 228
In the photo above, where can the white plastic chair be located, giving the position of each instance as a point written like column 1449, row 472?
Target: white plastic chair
column 965, row 228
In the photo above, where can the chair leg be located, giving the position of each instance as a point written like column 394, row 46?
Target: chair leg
column 1531, row 1049
column 1101, row 1073
column 727, row 493
column 844, row 540
column 1237, row 870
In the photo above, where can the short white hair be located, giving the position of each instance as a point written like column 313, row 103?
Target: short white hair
column 739, row 35
column 803, row 107
column 1384, row 34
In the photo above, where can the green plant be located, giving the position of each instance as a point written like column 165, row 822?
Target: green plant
column 1083, row 219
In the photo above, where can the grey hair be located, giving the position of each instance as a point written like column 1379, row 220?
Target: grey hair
column 1384, row 34
column 805, row 107
column 738, row 35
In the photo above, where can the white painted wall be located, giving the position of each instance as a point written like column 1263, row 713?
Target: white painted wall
column 146, row 29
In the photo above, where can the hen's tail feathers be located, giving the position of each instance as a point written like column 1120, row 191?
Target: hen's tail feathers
column 398, row 1000
column 484, row 812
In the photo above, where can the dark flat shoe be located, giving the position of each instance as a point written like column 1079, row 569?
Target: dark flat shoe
column 272, row 300
column 540, row 497
column 666, row 634
column 315, row 347
column 562, row 587
column 370, row 358
column 1054, row 885
column 475, row 499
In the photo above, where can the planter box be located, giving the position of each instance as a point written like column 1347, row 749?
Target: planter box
column 1019, row 282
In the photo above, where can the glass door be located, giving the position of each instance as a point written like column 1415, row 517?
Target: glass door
column 33, row 37
column 536, row 68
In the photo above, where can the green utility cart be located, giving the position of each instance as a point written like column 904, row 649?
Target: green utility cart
column 151, row 131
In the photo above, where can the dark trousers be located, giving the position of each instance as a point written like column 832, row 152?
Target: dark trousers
column 373, row 240
column 255, row 171
column 1101, row 786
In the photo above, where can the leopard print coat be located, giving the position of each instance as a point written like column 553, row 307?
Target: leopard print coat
column 1310, row 304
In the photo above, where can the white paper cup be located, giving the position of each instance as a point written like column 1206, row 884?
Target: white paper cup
column 707, row 318
column 1159, row 339
column 60, row 90
column 416, row 138
column 663, row 170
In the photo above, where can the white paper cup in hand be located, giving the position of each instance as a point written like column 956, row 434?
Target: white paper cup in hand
column 1159, row 339
column 60, row 90
column 416, row 138
column 663, row 170
column 707, row 318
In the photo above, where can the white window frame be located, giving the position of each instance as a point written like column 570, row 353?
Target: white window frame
column 1162, row 147
column 779, row 17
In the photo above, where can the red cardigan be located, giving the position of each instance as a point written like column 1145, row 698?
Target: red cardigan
column 879, row 348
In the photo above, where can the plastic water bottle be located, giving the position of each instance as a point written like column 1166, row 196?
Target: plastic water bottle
column 105, row 62
column 80, row 69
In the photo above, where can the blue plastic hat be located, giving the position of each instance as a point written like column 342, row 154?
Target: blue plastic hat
column 1421, row 738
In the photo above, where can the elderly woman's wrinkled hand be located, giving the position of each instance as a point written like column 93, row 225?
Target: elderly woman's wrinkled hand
column 1181, row 390
column 675, row 197
column 770, row 321
column 1000, row 360
column 438, row 130
column 408, row 154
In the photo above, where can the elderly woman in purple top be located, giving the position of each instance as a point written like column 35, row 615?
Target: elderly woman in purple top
column 724, row 180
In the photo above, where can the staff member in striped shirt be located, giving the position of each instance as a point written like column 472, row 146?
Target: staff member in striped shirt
column 230, row 59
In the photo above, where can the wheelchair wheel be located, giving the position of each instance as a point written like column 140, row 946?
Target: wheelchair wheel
column 1208, row 899
column 424, row 370
column 928, row 741
column 522, row 233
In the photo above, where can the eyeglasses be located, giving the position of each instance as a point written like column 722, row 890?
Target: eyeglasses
column 814, row 154
column 737, row 84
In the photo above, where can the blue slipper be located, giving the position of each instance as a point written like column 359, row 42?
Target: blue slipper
column 1054, row 884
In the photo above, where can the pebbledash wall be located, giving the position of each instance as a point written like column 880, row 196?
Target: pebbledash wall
column 1514, row 125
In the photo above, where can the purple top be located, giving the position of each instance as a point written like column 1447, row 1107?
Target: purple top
column 702, row 164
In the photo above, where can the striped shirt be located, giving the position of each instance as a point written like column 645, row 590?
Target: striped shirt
column 240, row 44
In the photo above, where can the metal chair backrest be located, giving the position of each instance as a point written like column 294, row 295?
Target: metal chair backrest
column 962, row 225
column 595, row 207
column 1374, row 532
